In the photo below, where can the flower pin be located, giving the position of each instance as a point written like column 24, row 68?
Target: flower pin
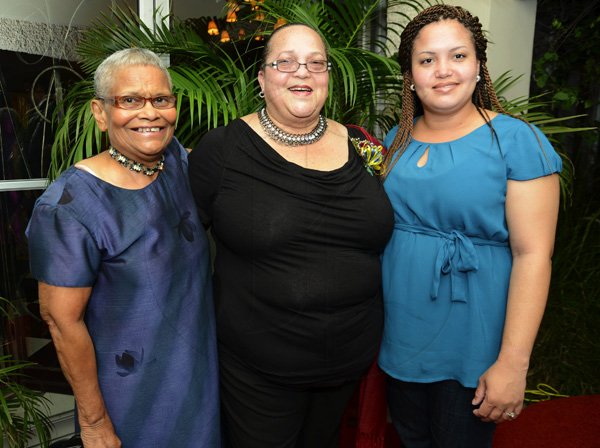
column 371, row 154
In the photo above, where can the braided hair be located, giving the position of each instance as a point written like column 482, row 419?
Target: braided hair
column 484, row 95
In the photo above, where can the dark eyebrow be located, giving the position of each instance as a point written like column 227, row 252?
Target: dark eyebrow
column 424, row 52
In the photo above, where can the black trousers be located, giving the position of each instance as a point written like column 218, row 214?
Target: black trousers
column 436, row 415
column 257, row 413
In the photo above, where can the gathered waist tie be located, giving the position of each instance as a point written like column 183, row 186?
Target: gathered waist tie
column 457, row 257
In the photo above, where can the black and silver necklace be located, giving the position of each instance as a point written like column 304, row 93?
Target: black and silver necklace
column 134, row 166
column 288, row 139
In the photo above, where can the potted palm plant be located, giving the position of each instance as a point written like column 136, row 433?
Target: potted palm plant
column 23, row 411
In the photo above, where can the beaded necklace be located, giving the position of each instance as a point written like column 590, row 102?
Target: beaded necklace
column 134, row 166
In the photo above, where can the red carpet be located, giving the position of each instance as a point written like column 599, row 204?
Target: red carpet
column 572, row 422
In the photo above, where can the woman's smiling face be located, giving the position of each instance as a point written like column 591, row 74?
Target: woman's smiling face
column 141, row 134
column 299, row 95
column 444, row 66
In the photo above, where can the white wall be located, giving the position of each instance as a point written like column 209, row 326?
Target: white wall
column 49, row 27
column 82, row 12
column 58, row 12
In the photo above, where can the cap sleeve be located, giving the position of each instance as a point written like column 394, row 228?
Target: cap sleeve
column 529, row 154
column 61, row 250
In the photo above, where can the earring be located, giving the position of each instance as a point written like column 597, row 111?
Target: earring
column 478, row 78
column 412, row 87
column 261, row 94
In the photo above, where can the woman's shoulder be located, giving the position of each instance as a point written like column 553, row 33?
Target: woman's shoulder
column 69, row 180
column 68, row 198
column 222, row 135
column 510, row 128
column 505, row 122
column 94, row 165
column 527, row 151
column 215, row 148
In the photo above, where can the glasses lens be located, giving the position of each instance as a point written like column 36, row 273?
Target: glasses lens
column 317, row 66
column 287, row 65
column 163, row 102
column 290, row 66
column 129, row 102
column 137, row 102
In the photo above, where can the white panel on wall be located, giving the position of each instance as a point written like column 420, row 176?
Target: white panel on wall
column 59, row 12
column 49, row 27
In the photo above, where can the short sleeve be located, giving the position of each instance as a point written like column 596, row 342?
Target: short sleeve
column 61, row 250
column 529, row 154
column 205, row 169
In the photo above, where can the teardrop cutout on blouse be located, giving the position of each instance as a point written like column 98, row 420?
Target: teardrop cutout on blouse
column 424, row 158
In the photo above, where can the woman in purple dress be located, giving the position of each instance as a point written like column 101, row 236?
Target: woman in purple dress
column 123, row 269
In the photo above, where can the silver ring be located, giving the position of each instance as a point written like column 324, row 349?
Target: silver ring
column 510, row 415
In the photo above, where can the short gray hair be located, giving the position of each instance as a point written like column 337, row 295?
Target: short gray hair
column 104, row 75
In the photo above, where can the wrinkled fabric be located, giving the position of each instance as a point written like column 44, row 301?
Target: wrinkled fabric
column 150, row 314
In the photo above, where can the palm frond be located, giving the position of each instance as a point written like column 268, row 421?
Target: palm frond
column 23, row 411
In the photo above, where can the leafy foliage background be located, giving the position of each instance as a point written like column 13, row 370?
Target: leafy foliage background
column 565, row 69
column 217, row 83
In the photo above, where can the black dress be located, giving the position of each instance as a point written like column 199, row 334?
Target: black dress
column 297, row 270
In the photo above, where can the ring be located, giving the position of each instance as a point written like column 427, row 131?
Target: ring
column 510, row 415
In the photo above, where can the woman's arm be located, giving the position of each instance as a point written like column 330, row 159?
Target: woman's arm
column 531, row 214
column 63, row 310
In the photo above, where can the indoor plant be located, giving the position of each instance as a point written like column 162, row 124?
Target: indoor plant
column 23, row 411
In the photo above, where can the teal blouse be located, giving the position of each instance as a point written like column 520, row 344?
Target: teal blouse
column 446, row 268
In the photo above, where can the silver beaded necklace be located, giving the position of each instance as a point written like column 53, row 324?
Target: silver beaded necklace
column 134, row 166
column 288, row 139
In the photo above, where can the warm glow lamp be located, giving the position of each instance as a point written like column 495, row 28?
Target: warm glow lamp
column 280, row 22
column 213, row 30
column 231, row 16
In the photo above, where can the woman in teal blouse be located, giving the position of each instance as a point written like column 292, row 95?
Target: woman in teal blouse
column 475, row 194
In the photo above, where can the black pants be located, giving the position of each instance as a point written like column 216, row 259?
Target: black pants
column 436, row 415
column 257, row 413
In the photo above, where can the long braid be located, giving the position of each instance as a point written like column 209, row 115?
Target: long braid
column 486, row 88
column 402, row 137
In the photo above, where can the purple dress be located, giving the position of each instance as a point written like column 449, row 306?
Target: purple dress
column 150, row 314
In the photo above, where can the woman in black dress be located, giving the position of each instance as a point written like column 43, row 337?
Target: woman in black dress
column 299, row 225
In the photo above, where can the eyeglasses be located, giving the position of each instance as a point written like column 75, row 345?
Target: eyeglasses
column 132, row 102
column 291, row 66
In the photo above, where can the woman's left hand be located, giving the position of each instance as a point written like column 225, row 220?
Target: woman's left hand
column 500, row 393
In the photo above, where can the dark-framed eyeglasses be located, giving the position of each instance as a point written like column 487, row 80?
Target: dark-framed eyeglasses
column 291, row 66
column 133, row 102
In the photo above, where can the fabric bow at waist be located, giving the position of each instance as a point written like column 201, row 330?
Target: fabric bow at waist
column 456, row 256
